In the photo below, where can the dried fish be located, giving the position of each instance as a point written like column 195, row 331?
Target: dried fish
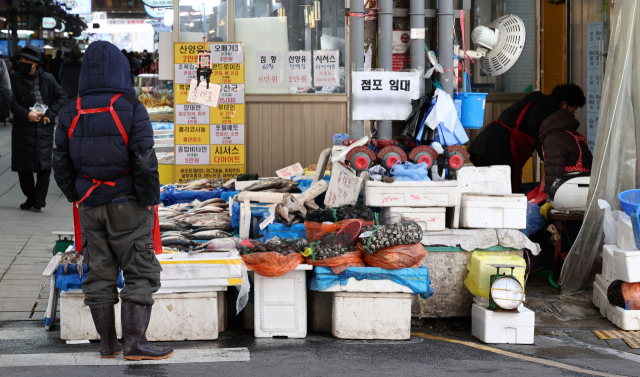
column 210, row 234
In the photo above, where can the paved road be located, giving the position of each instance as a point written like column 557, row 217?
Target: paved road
column 25, row 349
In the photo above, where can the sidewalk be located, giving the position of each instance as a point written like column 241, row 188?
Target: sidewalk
column 25, row 242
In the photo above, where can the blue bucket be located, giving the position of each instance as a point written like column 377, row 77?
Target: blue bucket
column 629, row 201
column 472, row 114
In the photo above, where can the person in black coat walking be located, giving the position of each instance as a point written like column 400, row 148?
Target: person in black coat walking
column 32, row 132
column 55, row 64
column 70, row 73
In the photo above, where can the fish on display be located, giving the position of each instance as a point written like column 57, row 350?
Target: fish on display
column 178, row 241
column 168, row 225
column 209, row 209
column 269, row 184
column 210, row 234
column 220, row 244
column 210, row 201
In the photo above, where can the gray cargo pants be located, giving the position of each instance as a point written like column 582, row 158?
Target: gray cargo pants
column 119, row 235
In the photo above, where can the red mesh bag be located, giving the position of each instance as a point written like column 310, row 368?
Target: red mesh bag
column 341, row 263
column 272, row 264
column 315, row 231
column 395, row 257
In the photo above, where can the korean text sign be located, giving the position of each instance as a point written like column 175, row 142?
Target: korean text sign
column 298, row 68
column 384, row 95
column 269, row 68
column 325, row 68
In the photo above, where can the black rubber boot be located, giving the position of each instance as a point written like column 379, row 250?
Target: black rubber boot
column 39, row 205
column 135, row 320
column 28, row 204
column 104, row 317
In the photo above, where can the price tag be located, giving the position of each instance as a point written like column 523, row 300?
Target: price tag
column 200, row 94
column 226, row 52
column 192, row 154
column 186, row 173
column 180, row 93
column 186, row 52
column 185, row 73
column 191, row 134
column 298, row 68
column 325, row 67
column 227, row 154
column 268, row 67
column 417, row 33
column 227, row 73
column 290, row 171
column 342, row 187
column 366, row 234
column 231, row 94
column 227, row 134
column 192, row 114
column 228, row 114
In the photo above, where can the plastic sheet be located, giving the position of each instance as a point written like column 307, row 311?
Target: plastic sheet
column 615, row 159
column 410, row 172
column 71, row 279
column 535, row 221
column 339, row 138
column 172, row 195
column 415, row 278
column 272, row 264
column 283, row 231
column 395, row 257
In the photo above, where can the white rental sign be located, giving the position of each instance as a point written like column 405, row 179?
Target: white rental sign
column 384, row 95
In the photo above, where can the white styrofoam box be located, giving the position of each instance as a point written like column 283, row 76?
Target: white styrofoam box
column 600, row 300
column 608, row 263
column 280, row 304
column 485, row 180
column 206, row 265
column 482, row 301
column 627, row 264
column 196, row 285
column 371, row 315
column 174, row 317
column 430, row 219
column 502, row 327
column 499, row 211
column 627, row 320
column 412, row 194
column 626, row 241
column 369, row 286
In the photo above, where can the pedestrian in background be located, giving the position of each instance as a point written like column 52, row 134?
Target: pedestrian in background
column 55, row 64
column 32, row 132
column 5, row 91
column 105, row 162
column 70, row 73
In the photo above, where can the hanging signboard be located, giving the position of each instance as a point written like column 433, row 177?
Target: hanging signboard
column 227, row 134
column 48, row 22
column 156, row 12
column 298, row 70
column 325, row 68
column 269, row 67
column 192, row 114
column 384, row 95
column 204, row 94
column 158, row 3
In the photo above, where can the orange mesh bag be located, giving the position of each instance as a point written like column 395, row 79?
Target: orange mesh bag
column 395, row 257
column 272, row 264
column 341, row 263
column 315, row 231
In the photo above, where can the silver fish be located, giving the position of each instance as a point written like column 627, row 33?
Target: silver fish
column 211, row 234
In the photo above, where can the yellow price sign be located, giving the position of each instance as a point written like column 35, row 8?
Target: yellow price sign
column 186, row 52
column 181, row 93
column 191, row 134
column 227, row 154
column 187, row 173
column 229, row 171
column 232, row 73
column 227, row 114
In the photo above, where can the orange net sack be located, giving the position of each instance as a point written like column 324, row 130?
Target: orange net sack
column 316, row 231
column 272, row 264
column 341, row 263
column 395, row 257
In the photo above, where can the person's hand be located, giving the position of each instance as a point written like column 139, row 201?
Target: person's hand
column 34, row 117
column 46, row 120
column 145, row 89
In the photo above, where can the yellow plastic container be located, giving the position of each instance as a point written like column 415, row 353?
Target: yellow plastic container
column 166, row 173
column 480, row 271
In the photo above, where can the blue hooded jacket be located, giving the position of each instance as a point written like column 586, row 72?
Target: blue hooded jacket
column 96, row 148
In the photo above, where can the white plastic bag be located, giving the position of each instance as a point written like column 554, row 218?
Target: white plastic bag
column 610, row 223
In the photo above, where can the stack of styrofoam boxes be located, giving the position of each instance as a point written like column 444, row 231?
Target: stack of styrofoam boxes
column 280, row 304
column 617, row 264
column 503, row 327
column 367, row 309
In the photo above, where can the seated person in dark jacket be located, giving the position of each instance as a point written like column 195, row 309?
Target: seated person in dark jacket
column 104, row 160
column 507, row 142
column 564, row 149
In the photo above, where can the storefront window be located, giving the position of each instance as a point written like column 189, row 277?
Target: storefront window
column 273, row 28
column 196, row 13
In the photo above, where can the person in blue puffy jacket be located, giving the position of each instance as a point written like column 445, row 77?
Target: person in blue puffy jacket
column 104, row 162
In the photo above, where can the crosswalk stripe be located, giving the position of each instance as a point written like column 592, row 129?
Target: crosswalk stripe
column 181, row 356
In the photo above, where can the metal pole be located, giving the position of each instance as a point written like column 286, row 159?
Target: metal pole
column 445, row 44
column 416, row 46
column 356, row 56
column 385, row 55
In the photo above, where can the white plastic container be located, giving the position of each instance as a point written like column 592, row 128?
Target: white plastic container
column 280, row 304
column 626, row 241
column 197, row 266
column 600, row 300
column 485, row 180
column 608, row 264
column 627, row 320
column 430, row 219
column 502, row 327
column 371, row 315
column 174, row 317
column 627, row 264
column 499, row 211
column 369, row 286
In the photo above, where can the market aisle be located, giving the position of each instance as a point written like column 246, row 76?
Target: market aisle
column 25, row 242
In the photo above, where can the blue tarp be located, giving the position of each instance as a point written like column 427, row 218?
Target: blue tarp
column 415, row 278
column 283, row 231
column 71, row 280
column 172, row 195
column 304, row 183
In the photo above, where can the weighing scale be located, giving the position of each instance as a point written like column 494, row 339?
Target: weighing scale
column 506, row 292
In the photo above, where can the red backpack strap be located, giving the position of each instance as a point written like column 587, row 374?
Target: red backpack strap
column 117, row 120
column 522, row 115
column 75, row 119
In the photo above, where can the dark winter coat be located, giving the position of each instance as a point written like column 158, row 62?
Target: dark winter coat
column 493, row 147
column 32, row 143
column 96, row 148
column 54, row 67
column 560, row 147
column 70, row 77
